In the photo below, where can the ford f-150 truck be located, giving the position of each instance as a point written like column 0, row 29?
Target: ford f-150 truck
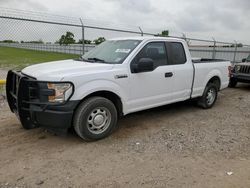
column 118, row 77
column 240, row 72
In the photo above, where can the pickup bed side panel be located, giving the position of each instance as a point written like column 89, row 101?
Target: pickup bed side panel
column 205, row 71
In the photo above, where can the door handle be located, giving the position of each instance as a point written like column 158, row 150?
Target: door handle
column 168, row 74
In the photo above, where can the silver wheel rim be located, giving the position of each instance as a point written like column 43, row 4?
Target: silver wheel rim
column 211, row 96
column 99, row 120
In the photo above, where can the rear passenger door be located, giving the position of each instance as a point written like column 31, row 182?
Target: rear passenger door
column 182, row 71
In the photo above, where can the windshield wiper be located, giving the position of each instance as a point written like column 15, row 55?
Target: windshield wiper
column 96, row 59
column 82, row 59
column 91, row 59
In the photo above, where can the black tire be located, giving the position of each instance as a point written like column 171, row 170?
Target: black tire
column 203, row 101
column 232, row 83
column 92, row 112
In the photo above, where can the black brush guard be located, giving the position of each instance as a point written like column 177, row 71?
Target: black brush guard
column 28, row 99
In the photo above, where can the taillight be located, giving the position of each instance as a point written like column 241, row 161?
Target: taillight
column 230, row 70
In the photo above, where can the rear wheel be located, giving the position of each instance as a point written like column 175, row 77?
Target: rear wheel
column 209, row 96
column 232, row 82
column 95, row 118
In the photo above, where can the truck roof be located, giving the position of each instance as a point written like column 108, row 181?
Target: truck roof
column 148, row 38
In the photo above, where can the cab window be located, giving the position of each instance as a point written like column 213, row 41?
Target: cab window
column 155, row 51
column 176, row 53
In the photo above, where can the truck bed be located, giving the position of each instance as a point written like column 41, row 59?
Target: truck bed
column 209, row 67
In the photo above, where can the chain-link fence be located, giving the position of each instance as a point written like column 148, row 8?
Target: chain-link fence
column 70, row 49
column 46, row 33
column 40, row 31
column 2, row 91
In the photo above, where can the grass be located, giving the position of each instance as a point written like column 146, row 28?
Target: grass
column 15, row 58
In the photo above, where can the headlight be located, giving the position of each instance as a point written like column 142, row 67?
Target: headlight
column 237, row 68
column 62, row 92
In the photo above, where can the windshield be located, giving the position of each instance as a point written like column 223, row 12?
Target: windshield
column 112, row 51
column 248, row 59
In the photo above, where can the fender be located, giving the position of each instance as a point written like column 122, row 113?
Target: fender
column 100, row 85
column 212, row 74
column 199, row 85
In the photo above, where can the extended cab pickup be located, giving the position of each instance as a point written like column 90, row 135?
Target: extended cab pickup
column 118, row 77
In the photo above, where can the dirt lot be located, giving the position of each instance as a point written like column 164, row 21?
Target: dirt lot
column 173, row 146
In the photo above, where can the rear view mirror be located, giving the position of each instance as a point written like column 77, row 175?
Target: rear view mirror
column 244, row 60
column 144, row 65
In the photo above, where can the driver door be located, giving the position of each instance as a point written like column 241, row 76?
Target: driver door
column 152, row 88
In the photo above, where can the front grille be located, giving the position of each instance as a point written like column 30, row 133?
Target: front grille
column 244, row 69
column 27, row 96
column 13, row 81
column 22, row 91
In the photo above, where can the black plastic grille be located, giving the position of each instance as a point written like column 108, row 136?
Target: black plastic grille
column 245, row 69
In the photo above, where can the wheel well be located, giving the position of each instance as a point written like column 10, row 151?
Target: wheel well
column 111, row 96
column 215, row 80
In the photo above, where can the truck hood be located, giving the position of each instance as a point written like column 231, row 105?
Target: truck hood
column 57, row 70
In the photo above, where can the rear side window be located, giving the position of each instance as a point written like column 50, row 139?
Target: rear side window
column 248, row 59
column 176, row 53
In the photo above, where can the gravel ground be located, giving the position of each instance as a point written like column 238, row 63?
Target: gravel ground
column 177, row 145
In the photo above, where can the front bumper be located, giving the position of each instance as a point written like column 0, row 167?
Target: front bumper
column 240, row 77
column 28, row 99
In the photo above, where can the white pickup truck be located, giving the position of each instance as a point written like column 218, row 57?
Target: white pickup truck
column 118, row 77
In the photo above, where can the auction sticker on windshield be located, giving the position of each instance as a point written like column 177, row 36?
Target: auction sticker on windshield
column 122, row 51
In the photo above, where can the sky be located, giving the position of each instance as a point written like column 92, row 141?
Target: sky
column 224, row 20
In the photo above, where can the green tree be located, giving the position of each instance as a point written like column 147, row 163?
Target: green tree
column 9, row 41
column 85, row 41
column 67, row 39
column 99, row 40
column 238, row 45
column 164, row 33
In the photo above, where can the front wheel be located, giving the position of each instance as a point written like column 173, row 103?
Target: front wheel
column 209, row 96
column 95, row 118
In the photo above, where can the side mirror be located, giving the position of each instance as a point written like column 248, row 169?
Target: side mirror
column 244, row 60
column 144, row 65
